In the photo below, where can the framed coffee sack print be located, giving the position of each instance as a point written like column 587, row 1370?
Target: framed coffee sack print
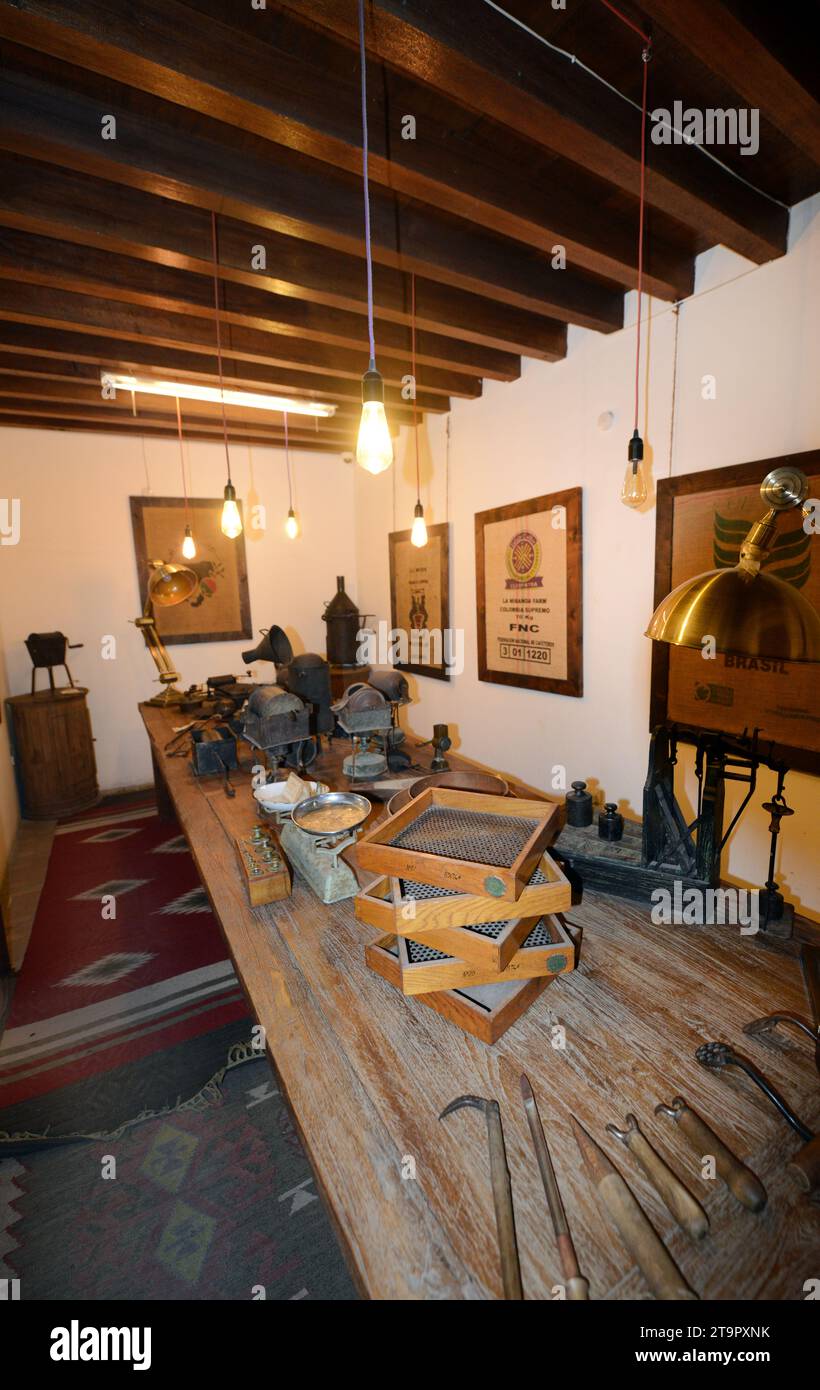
column 702, row 520
column 529, row 594
column 219, row 609
column 420, row 602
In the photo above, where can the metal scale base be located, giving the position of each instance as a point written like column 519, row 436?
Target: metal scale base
column 319, row 864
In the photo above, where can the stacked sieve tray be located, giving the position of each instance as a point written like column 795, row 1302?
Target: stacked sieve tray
column 467, row 897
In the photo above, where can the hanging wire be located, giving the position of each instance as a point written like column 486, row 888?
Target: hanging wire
column 645, row 56
column 572, row 58
column 676, row 312
column 287, row 464
column 219, row 341
column 366, row 177
column 413, row 369
column 447, row 468
column 182, row 466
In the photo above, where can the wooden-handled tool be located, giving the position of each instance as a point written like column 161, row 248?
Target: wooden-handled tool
column 685, row 1208
column 576, row 1286
column 638, row 1235
column 740, row 1180
column 502, row 1191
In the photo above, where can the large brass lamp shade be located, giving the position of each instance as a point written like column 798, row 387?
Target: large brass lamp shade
column 746, row 612
column 167, row 586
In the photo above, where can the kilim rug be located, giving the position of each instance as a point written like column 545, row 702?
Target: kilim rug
column 126, row 960
column 217, row 1202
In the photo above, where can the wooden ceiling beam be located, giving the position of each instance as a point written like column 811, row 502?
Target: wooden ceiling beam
column 719, row 39
column 27, row 420
column 23, row 386
column 50, row 201
column 40, row 260
column 117, row 413
column 493, row 67
column 35, row 372
column 67, row 347
column 495, row 195
column 58, row 309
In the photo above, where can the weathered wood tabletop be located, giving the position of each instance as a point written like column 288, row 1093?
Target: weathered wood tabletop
column 367, row 1072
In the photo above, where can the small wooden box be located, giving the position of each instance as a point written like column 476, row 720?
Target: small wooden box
column 547, row 950
column 266, row 879
column 487, row 845
column 484, row 1011
column 436, row 916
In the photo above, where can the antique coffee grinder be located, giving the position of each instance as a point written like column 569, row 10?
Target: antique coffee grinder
column 364, row 714
column 306, row 676
column 47, row 650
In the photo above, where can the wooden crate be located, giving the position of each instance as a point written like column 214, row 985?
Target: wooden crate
column 437, row 915
column 547, row 950
column 475, row 843
column 484, row 1011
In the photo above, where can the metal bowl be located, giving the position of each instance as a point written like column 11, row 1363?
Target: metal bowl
column 463, row 781
column 323, row 802
column 397, row 800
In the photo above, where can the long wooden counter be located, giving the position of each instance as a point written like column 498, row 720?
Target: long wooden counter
column 366, row 1073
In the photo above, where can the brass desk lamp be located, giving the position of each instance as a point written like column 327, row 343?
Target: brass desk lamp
column 746, row 612
column 167, row 586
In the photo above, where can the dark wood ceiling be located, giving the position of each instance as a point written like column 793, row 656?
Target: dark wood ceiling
column 105, row 244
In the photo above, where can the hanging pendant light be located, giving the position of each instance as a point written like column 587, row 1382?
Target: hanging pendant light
column 291, row 523
column 418, row 533
column 188, row 543
column 374, row 447
column 634, row 490
column 231, row 523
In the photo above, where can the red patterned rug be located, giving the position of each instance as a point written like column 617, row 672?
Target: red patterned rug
column 125, row 960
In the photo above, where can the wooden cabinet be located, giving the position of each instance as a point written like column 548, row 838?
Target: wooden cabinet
column 54, row 753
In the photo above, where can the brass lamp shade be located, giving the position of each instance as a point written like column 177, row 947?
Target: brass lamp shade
column 170, row 584
column 747, row 614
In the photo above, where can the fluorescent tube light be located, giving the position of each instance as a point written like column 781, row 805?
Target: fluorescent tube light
column 187, row 392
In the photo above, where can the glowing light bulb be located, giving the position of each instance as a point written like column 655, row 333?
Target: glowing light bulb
column 418, row 535
column 291, row 525
column 231, row 523
column 374, row 447
column 633, row 492
column 188, row 545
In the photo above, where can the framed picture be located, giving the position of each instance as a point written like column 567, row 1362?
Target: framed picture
column 420, row 602
column 702, row 520
column 219, row 610
column 529, row 594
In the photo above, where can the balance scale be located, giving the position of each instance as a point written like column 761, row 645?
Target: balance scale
column 317, row 857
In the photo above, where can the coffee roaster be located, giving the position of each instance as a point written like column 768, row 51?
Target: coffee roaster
column 365, row 715
column 278, row 723
column 306, row 676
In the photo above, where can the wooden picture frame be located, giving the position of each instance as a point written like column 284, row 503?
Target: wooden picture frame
column 420, row 593
column 529, row 593
column 220, row 610
column 730, row 696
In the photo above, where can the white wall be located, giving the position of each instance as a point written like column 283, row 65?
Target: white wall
column 74, row 568
column 758, row 334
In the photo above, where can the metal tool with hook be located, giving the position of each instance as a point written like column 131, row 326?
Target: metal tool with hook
column 502, row 1191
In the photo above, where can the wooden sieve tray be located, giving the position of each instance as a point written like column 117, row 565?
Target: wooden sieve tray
column 486, row 845
column 547, row 950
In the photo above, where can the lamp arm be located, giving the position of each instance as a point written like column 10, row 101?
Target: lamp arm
column 783, row 489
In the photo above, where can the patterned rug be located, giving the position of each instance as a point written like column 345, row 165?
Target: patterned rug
column 125, row 958
column 216, row 1202
column 118, row 1015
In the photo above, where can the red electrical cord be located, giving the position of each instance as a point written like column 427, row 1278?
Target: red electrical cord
column 219, row 340
column 413, row 369
column 182, row 466
column 629, row 22
column 645, row 57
